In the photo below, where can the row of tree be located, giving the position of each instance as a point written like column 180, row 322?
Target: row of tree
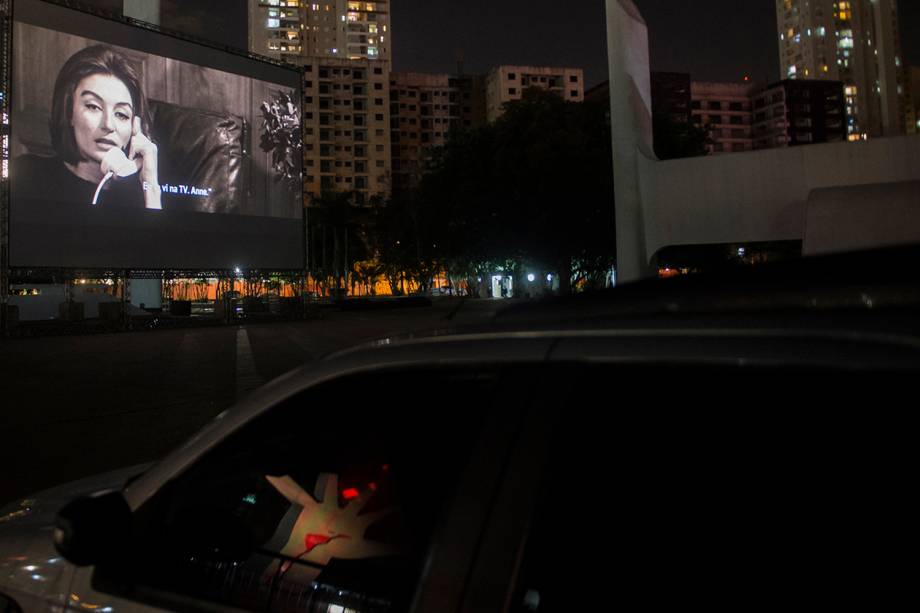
column 531, row 192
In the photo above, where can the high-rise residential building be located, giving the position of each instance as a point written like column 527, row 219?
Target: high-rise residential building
column 468, row 94
column 856, row 42
column 799, row 112
column 297, row 31
column 671, row 96
column 507, row 84
column 344, row 49
column 724, row 110
column 424, row 109
column 347, row 128
column 421, row 117
column 277, row 29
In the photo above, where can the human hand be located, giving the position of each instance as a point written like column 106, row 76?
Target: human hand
column 144, row 153
column 324, row 531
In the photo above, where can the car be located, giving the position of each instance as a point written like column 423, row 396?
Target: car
column 738, row 441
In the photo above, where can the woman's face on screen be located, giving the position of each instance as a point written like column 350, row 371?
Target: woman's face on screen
column 102, row 116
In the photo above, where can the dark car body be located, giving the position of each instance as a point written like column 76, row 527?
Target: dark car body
column 743, row 441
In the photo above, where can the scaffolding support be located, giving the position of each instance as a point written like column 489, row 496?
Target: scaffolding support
column 6, row 35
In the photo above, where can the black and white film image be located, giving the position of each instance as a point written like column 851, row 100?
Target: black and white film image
column 103, row 126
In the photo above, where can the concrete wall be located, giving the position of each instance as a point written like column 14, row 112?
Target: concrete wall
column 745, row 197
column 631, row 127
column 761, row 195
column 837, row 218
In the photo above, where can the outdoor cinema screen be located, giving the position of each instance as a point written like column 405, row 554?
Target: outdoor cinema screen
column 134, row 149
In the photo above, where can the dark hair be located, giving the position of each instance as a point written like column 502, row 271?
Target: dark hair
column 98, row 59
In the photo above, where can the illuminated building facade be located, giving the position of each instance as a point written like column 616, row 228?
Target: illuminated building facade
column 298, row 30
column 344, row 49
column 724, row 111
column 856, row 42
column 424, row 108
column 507, row 84
column 347, row 128
column 799, row 112
column 670, row 96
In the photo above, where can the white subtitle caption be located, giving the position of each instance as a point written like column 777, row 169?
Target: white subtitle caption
column 182, row 190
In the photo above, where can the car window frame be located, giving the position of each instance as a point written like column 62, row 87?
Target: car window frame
column 454, row 531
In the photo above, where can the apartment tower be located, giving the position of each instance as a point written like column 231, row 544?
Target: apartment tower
column 853, row 41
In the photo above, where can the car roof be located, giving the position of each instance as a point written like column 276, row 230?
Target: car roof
column 676, row 320
column 862, row 280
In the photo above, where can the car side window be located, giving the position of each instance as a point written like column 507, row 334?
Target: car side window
column 327, row 502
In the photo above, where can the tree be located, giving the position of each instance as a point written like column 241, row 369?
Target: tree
column 533, row 190
column 335, row 217
column 678, row 139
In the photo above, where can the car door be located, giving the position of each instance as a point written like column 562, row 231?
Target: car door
column 330, row 501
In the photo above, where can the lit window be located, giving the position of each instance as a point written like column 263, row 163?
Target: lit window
column 274, row 23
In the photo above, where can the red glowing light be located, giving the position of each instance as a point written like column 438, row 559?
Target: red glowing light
column 350, row 493
column 747, row 78
column 373, row 486
column 312, row 540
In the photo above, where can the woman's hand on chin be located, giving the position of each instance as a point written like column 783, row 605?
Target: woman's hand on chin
column 144, row 152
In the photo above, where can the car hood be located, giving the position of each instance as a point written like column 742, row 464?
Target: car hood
column 39, row 509
column 32, row 572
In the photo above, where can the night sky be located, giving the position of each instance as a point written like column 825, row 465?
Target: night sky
column 710, row 39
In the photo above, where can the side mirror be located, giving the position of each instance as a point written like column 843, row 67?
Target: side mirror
column 93, row 529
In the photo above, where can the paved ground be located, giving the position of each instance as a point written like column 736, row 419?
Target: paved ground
column 79, row 405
